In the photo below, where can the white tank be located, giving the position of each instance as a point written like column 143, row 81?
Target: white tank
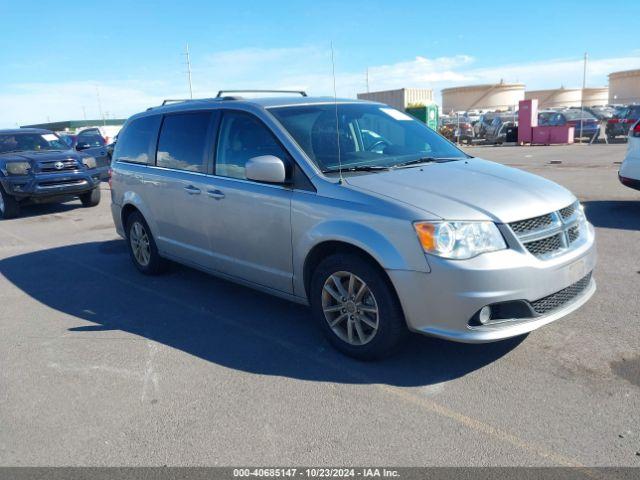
column 624, row 87
column 498, row 96
column 569, row 97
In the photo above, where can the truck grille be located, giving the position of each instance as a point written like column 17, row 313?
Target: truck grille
column 562, row 297
column 548, row 235
column 55, row 166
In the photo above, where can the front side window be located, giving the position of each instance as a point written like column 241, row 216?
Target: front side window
column 242, row 137
column 134, row 141
column 362, row 135
column 183, row 142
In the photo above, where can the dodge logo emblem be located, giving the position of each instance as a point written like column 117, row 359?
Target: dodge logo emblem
column 59, row 165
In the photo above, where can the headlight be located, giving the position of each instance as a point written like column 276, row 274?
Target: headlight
column 90, row 162
column 459, row 240
column 18, row 168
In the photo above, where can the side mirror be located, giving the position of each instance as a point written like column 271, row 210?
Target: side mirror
column 82, row 146
column 265, row 168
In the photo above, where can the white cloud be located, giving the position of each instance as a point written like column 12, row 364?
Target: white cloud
column 301, row 67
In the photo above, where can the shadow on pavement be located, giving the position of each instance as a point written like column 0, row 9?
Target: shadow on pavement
column 219, row 321
column 620, row 214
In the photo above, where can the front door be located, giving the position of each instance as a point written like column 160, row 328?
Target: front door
column 249, row 223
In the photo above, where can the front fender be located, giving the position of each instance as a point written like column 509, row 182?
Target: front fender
column 382, row 248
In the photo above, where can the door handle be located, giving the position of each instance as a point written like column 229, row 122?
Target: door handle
column 217, row 194
column 191, row 190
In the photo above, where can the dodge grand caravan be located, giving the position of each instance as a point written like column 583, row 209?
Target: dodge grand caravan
column 356, row 209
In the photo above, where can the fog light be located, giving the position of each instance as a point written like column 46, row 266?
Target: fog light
column 485, row 315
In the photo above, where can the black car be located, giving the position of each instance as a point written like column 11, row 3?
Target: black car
column 496, row 132
column 622, row 121
column 91, row 142
column 37, row 166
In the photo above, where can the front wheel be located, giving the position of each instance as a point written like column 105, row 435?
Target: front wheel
column 9, row 206
column 356, row 307
column 91, row 199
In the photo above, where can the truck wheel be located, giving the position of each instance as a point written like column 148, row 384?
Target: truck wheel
column 356, row 307
column 91, row 199
column 9, row 206
column 142, row 246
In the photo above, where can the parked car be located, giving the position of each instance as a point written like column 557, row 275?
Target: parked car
column 483, row 123
column 621, row 121
column 93, row 142
column 545, row 116
column 68, row 138
column 496, row 132
column 629, row 174
column 584, row 124
column 457, row 130
column 601, row 113
column 38, row 166
column 280, row 194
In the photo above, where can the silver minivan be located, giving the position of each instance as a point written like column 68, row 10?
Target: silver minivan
column 377, row 222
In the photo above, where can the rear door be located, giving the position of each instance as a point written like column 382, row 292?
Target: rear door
column 177, row 186
column 248, row 223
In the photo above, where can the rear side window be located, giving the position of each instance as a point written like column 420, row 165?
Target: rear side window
column 92, row 138
column 134, row 142
column 183, row 142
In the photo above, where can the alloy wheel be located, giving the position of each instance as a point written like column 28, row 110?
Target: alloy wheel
column 350, row 308
column 140, row 245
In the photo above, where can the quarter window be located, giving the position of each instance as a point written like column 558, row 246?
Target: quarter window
column 134, row 141
column 242, row 137
column 183, row 142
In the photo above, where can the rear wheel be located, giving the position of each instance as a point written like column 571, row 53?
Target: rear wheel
column 142, row 246
column 356, row 307
column 91, row 199
column 9, row 206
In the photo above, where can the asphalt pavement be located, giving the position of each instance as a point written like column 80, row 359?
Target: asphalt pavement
column 100, row 365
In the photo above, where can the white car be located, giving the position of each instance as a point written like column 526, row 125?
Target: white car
column 630, row 169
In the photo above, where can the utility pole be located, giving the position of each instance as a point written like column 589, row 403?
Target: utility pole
column 584, row 85
column 84, row 113
column 367, row 77
column 100, row 105
column 186, row 54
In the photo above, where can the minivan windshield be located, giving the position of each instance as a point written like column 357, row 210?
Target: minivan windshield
column 359, row 136
column 21, row 142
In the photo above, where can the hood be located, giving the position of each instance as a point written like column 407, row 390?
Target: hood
column 475, row 189
column 40, row 156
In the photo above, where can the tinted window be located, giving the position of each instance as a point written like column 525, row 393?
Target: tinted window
column 183, row 141
column 136, row 138
column 243, row 137
column 92, row 138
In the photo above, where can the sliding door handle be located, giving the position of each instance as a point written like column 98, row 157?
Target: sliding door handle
column 217, row 194
column 191, row 190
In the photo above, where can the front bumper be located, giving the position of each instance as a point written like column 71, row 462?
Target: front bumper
column 443, row 302
column 51, row 185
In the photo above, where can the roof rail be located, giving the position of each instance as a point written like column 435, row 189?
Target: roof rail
column 299, row 92
column 176, row 100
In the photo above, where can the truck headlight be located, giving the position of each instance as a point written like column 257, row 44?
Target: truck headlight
column 18, row 168
column 89, row 162
column 459, row 240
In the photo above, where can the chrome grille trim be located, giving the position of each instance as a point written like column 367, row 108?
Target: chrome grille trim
column 548, row 235
column 49, row 166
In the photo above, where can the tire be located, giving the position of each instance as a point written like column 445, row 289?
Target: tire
column 91, row 199
column 367, row 342
column 9, row 206
column 137, row 232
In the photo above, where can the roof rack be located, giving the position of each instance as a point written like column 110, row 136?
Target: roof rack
column 299, row 92
column 176, row 100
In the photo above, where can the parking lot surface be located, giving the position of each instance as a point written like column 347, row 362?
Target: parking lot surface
column 103, row 366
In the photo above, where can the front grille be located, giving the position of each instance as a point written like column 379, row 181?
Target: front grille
column 567, row 212
column 532, row 224
column 548, row 235
column 562, row 297
column 50, row 167
column 545, row 246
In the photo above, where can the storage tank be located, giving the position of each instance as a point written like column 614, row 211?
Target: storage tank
column 498, row 96
column 400, row 98
column 594, row 96
column 624, row 87
column 569, row 97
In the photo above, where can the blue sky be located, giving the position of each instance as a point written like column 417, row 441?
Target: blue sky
column 57, row 56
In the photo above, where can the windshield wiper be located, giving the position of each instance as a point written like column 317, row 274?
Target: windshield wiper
column 356, row 168
column 428, row 160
